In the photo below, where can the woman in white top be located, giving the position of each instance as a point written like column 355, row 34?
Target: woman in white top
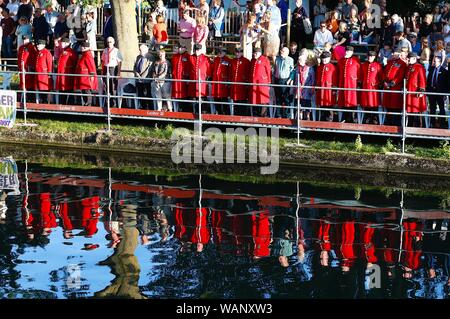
column 248, row 36
column 91, row 31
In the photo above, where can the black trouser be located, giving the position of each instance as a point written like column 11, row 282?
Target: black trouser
column 112, row 71
column 224, row 109
column 394, row 120
column 66, row 97
column 242, row 110
column 143, row 90
column 436, row 100
column 282, row 95
column 42, row 97
column 299, row 36
column 87, row 100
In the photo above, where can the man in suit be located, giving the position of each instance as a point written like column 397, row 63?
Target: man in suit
column 141, row 70
column 437, row 82
column 108, row 26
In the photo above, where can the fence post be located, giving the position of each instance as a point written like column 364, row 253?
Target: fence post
column 108, row 98
column 200, row 129
column 404, row 118
column 24, row 93
column 288, row 28
column 299, row 109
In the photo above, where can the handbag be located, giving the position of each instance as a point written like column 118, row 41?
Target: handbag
column 307, row 25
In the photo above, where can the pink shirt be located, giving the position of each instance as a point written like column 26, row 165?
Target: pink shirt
column 186, row 27
column 201, row 34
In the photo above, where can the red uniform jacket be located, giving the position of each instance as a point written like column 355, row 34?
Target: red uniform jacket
column 241, row 230
column 261, row 234
column 197, row 63
column 219, row 221
column 372, row 79
column 367, row 239
column 90, row 215
column 48, row 218
column 86, row 66
column 326, row 77
column 394, row 74
column 411, row 255
column 66, row 65
column 346, row 241
column 262, row 74
column 221, row 71
column 44, row 65
column 391, row 245
column 416, row 81
column 180, row 71
column 27, row 56
column 349, row 74
column 191, row 225
column 240, row 69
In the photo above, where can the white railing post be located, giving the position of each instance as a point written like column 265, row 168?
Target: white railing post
column 200, row 129
column 404, row 117
column 24, row 94
column 108, row 98
column 299, row 109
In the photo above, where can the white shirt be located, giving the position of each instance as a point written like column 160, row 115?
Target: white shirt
column 321, row 38
column 114, row 57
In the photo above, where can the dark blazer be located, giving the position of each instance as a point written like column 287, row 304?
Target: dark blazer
column 442, row 80
column 142, row 71
column 108, row 29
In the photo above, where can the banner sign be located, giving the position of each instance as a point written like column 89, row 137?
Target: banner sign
column 8, row 108
column 9, row 179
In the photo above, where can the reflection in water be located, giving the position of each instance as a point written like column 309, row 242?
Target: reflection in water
column 65, row 234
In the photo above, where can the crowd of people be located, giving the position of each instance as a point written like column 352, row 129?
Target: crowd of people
column 393, row 53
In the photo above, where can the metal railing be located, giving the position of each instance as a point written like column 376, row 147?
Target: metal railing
column 201, row 102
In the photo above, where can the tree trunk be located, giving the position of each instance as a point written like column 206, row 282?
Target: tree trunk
column 125, row 30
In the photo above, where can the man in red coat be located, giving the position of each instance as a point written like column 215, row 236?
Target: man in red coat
column 43, row 66
column 199, row 68
column 26, row 59
column 349, row 76
column 66, row 65
column 221, row 72
column 261, row 73
column 240, row 69
column 416, row 82
column 180, row 71
column 394, row 75
column 326, row 77
column 372, row 79
column 87, row 84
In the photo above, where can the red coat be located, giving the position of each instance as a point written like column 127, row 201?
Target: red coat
column 261, row 234
column 367, row 234
column 372, row 78
column 349, row 74
column 90, row 215
column 346, row 240
column 27, row 56
column 416, row 81
column 326, row 77
column 260, row 73
column 221, row 71
column 66, row 65
column 197, row 63
column 180, row 71
column 394, row 74
column 240, row 69
column 410, row 254
column 48, row 218
column 43, row 65
column 323, row 235
column 86, row 66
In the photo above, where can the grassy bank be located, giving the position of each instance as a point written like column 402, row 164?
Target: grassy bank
column 61, row 128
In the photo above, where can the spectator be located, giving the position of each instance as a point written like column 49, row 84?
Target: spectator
column 437, row 82
column 283, row 67
column 322, row 36
column 413, row 25
column 425, row 55
column 41, row 29
column 161, row 89
column 25, row 10
column 347, row 9
column 112, row 64
column 385, row 54
column 367, row 33
column 160, row 31
column 343, row 38
column 275, row 15
column 437, row 20
column 269, row 34
column 446, row 32
column 148, row 29
column 249, row 36
column 216, row 16
column 416, row 46
column 397, row 22
column 440, row 51
column 402, row 42
column 426, row 29
column 186, row 28
column 141, row 69
column 61, row 28
column 297, row 27
column 283, row 6
column 293, row 52
column 319, row 13
column 333, row 22
column 354, row 25
column 108, row 26
column 259, row 8
column 388, row 32
column 9, row 28
column 161, row 10
column 304, row 75
column 51, row 17
column 23, row 29
column 13, row 7
column 73, row 12
column 91, row 31
column 201, row 33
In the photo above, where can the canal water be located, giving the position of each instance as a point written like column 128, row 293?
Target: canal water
column 72, row 231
